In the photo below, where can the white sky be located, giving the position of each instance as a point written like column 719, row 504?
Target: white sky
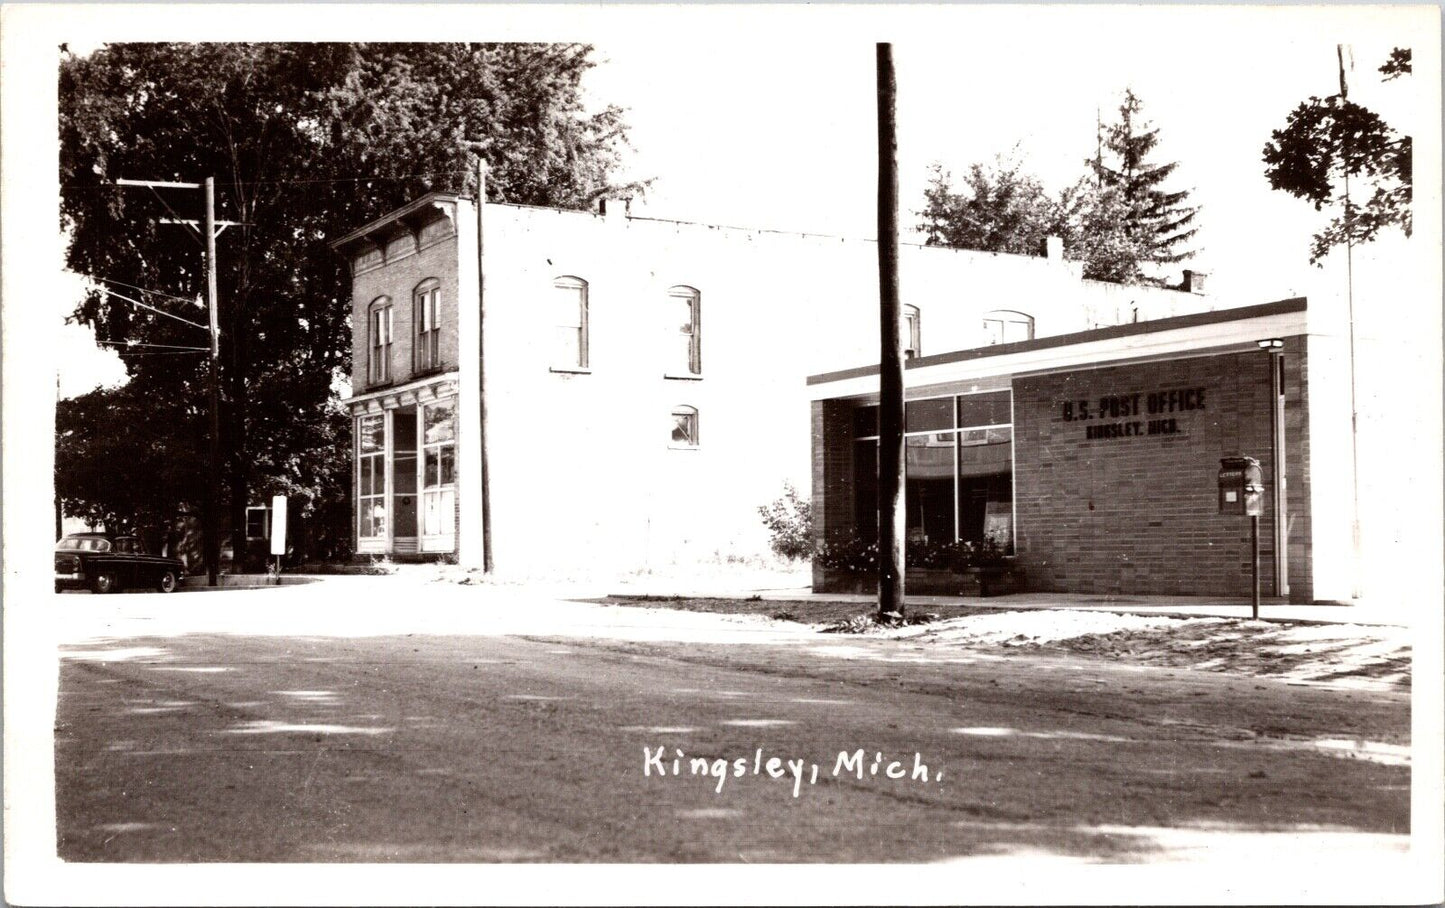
column 787, row 139
column 760, row 116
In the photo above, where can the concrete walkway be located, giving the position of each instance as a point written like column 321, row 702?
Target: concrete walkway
column 1360, row 612
column 791, row 586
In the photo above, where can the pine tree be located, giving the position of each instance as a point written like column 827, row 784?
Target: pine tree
column 1157, row 222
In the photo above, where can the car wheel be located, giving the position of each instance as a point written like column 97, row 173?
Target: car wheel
column 105, row 583
column 167, row 582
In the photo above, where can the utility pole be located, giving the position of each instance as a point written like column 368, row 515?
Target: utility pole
column 890, row 359
column 1356, row 589
column 486, row 477
column 208, row 228
column 212, row 535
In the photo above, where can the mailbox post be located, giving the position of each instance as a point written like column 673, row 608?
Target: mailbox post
column 1241, row 491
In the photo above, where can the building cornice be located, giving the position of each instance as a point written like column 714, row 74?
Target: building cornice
column 423, row 389
column 409, row 218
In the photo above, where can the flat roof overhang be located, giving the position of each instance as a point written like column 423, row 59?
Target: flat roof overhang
column 989, row 368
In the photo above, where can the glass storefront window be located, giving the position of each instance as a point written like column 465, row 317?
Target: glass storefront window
column 371, row 476
column 865, row 421
column 989, row 409
column 439, row 468
column 958, row 482
column 928, row 415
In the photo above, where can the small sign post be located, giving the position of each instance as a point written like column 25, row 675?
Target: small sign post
column 1241, row 491
column 278, row 531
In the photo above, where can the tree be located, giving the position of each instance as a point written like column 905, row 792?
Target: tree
column 1095, row 227
column 1156, row 222
column 1328, row 142
column 1000, row 209
column 306, row 142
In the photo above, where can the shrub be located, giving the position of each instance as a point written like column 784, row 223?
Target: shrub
column 790, row 521
column 848, row 553
column 853, row 555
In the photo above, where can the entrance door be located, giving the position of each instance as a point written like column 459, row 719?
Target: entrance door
column 403, row 477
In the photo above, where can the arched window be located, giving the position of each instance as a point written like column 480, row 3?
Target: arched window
column 684, row 332
column 1005, row 326
column 684, row 427
column 378, row 321
column 569, row 324
column 426, row 322
column 911, row 332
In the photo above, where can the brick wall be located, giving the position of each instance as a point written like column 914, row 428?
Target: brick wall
column 1139, row 514
column 408, row 264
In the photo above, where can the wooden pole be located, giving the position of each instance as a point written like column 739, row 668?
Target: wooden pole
column 211, row 532
column 486, row 478
column 1254, row 548
column 1277, row 462
column 890, row 359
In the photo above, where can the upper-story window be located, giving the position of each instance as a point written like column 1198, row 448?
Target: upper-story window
column 1004, row 326
column 426, row 317
column 379, row 328
column 684, row 332
column 910, row 332
column 570, row 323
column 684, row 427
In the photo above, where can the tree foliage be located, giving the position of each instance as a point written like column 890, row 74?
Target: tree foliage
column 1326, row 144
column 789, row 520
column 999, row 208
column 1159, row 222
column 306, row 142
column 1118, row 220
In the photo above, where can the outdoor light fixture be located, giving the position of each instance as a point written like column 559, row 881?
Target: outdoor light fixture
column 1272, row 345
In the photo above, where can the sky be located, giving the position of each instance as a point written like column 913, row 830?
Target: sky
column 765, row 116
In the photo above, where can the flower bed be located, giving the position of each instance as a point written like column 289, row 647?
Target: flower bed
column 983, row 568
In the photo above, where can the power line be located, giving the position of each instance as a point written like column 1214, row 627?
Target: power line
column 165, row 352
column 179, row 299
column 404, row 176
column 110, row 292
column 139, row 344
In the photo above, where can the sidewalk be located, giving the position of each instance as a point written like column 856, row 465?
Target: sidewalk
column 1363, row 612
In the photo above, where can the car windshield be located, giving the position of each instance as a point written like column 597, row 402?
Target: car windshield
column 85, row 544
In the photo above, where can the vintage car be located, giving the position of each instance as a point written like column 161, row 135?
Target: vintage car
column 106, row 564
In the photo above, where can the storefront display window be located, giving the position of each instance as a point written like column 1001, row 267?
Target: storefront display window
column 371, row 476
column 439, row 470
column 958, row 469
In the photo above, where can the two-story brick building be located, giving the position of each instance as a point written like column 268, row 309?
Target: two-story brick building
column 645, row 379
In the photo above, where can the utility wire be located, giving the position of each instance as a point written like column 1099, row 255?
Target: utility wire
column 158, row 311
column 404, row 176
column 192, row 232
column 179, row 299
column 166, row 352
column 139, row 344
